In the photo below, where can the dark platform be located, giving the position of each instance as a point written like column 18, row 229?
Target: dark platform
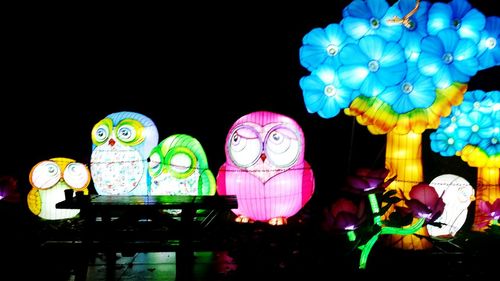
column 131, row 224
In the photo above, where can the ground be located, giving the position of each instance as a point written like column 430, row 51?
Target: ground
column 299, row 249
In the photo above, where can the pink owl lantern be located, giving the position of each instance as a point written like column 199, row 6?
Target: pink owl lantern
column 265, row 168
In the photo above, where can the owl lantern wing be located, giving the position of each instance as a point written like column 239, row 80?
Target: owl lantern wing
column 221, row 180
column 308, row 183
column 206, row 184
column 34, row 201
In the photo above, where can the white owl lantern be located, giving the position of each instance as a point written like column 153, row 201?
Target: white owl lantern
column 457, row 194
column 49, row 179
column 121, row 144
column 265, row 168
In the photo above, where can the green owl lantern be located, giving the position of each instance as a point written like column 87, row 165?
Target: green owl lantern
column 179, row 166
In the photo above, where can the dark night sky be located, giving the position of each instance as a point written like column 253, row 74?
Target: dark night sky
column 193, row 70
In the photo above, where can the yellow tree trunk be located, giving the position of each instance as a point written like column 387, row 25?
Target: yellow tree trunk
column 403, row 157
column 488, row 190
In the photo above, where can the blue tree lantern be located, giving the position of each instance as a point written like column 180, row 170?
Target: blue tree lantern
column 472, row 132
column 398, row 69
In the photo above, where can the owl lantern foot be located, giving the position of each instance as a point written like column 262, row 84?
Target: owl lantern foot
column 243, row 219
column 278, row 221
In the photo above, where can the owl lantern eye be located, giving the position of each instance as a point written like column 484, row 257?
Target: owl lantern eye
column 45, row 175
column 101, row 131
column 126, row 133
column 129, row 132
column 276, row 138
column 466, row 192
column 76, row 175
column 236, row 142
column 102, row 134
column 155, row 164
column 245, row 146
column 282, row 146
column 181, row 162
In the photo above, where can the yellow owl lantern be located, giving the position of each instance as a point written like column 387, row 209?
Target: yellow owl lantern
column 49, row 179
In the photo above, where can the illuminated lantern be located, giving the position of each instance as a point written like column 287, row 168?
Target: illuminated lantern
column 121, row 144
column 472, row 131
column 179, row 166
column 343, row 215
column 265, row 168
column 457, row 195
column 489, row 214
column 424, row 205
column 399, row 70
column 8, row 188
column 49, row 179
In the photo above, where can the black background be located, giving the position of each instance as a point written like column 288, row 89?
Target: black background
column 192, row 68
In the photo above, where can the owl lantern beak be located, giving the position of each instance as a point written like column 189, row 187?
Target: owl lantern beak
column 111, row 142
column 263, row 157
